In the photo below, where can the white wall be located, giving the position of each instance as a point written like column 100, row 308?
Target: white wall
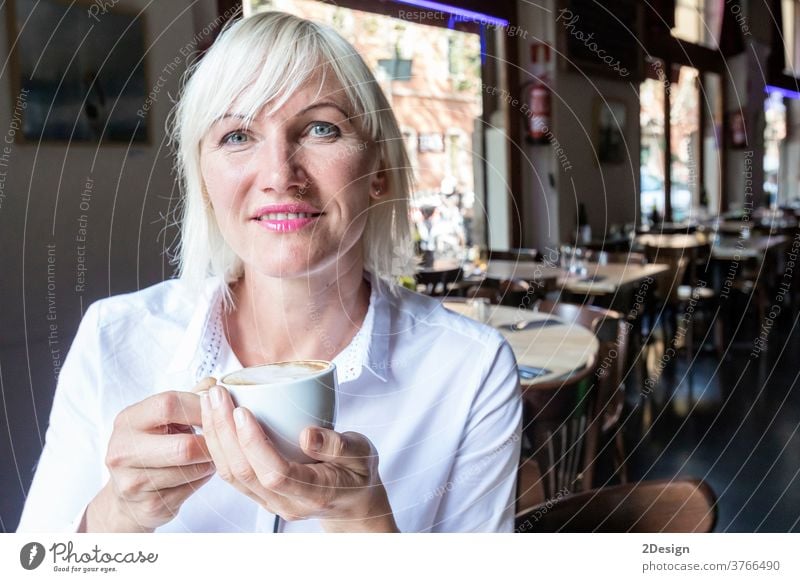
column 609, row 191
column 553, row 183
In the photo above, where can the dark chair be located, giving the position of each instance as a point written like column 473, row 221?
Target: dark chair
column 679, row 289
column 565, row 418
column 680, row 506
column 669, row 228
column 608, row 397
column 554, row 425
column 530, row 484
column 438, row 282
column 514, row 255
column 512, row 292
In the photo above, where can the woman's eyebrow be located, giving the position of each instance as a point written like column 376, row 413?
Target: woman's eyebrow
column 318, row 105
column 321, row 104
column 227, row 115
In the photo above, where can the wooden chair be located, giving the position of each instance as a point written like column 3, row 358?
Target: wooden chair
column 564, row 417
column 512, row 292
column 608, row 398
column 530, row 484
column 554, row 425
column 679, row 506
column 514, row 255
column 666, row 297
column 685, row 290
column 438, row 282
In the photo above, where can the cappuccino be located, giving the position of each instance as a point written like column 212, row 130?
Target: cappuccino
column 273, row 373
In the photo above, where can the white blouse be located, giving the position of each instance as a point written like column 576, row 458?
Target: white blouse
column 436, row 393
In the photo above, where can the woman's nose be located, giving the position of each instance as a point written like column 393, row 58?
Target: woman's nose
column 278, row 167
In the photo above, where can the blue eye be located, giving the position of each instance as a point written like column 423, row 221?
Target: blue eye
column 234, row 138
column 323, row 129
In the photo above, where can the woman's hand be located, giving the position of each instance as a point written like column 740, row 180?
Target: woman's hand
column 344, row 491
column 156, row 462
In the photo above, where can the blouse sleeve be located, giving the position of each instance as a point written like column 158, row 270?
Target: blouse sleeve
column 69, row 472
column 480, row 495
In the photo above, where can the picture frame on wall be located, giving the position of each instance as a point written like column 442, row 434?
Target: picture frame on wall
column 80, row 73
column 610, row 122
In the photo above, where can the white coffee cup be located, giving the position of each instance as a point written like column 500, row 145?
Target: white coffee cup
column 287, row 397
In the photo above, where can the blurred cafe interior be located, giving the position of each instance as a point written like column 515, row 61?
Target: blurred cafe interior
column 615, row 186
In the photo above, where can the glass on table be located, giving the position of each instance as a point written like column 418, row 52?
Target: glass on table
column 565, row 256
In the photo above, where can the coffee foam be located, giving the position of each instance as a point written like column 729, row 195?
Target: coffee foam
column 275, row 373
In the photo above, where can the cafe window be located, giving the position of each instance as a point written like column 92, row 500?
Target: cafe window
column 410, row 140
column 653, row 149
column 775, row 168
column 791, row 41
column 694, row 102
column 396, row 69
column 684, row 100
column 698, row 22
column 433, row 78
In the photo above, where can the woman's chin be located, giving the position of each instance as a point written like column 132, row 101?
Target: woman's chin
column 287, row 269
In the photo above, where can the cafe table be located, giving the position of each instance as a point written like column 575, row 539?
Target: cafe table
column 752, row 248
column 546, row 347
column 726, row 248
column 673, row 241
column 597, row 279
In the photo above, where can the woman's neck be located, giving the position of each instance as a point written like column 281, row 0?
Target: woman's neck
column 308, row 318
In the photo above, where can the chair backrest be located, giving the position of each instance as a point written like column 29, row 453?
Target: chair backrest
column 588, row 316
column 679, row 506
column 631, row 258
column 668, row 282
column 436, row 281
column 605, row 399
column 530, row 485
column 514, row 292
column 514, row 255
column 554, row 421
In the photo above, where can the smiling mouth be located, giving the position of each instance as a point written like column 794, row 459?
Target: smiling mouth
column 288, row 215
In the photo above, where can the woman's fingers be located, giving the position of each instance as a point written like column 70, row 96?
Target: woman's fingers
column 204, row 384
column 349, row 449
column 144, row 481
column 156, row 509
column 210, row 434
column 161, row 410
column 218, row 427
column 155, row 451
column 233, row 464
column 274, row 472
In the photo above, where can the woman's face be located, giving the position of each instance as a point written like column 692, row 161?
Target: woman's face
column 291, row 191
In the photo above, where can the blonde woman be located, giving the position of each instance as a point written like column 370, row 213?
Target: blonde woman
column 294, row 231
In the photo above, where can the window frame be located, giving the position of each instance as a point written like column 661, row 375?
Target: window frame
column 776, row 63
column 660, row 44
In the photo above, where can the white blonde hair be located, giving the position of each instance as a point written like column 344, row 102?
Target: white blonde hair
column 262, row 60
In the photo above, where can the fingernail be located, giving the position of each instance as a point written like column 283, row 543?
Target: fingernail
column 203, row 400
column 314, row 440
column 216, row 396
column 238, row 417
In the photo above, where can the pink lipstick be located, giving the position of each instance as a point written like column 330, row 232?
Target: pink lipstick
column 288, row 217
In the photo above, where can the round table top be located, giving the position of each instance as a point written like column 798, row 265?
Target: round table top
column 673, row 241
column 559, row 347
column 599, row 279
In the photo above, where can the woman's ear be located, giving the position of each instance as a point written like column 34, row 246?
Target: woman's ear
column 377, row 187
